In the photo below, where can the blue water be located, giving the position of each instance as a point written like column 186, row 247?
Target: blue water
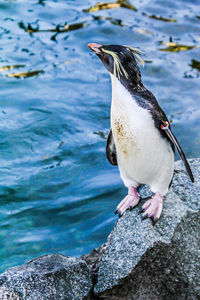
column 58, row 192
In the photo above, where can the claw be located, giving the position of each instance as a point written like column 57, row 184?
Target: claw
column 154, row 221
column 144, row 216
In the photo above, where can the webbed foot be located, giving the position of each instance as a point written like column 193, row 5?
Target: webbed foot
column 130, row 201
column 153, row 207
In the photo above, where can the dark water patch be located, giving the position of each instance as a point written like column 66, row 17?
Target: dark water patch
column 195, row 64
column 148, row 61
column 41, row 2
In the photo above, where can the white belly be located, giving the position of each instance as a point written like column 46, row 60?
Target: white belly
column 143, row 156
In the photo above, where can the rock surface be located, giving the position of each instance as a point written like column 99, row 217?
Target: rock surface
column 139, row 261
column 50, row 277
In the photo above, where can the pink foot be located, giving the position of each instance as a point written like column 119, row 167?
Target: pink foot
column 153, row 207
column 130, row 201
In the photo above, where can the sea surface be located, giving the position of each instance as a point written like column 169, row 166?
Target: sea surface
column 58, row 193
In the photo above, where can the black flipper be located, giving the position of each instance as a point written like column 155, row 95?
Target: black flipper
column 111, row 149
column 173, row 139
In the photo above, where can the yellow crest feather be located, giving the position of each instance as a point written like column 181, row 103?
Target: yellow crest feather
column 136, row 52
column 118, row 68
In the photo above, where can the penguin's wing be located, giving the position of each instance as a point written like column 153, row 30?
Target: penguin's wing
column 147, row 100
column 166, row 127
column 111, row 149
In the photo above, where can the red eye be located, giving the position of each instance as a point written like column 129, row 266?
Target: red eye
column 166, row 125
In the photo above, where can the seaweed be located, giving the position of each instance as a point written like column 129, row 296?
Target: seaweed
column 25, row 74
column 58, row 29
column 113, row 21
column 10, row 67
column 175, row 47
column 111, row 5
column 143, row 31
column 160, row 18
column 101, row 134
column 195, row 64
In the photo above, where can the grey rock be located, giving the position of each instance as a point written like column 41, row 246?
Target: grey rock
column 50, row 277
column 145, row 262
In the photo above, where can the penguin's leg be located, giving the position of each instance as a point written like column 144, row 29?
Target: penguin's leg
column 159, row 185
column 153, row 207
column 130, row 201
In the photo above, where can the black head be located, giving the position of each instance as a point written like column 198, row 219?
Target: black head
column 120, row 61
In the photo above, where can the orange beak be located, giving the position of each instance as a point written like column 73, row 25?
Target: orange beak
column 95, row 48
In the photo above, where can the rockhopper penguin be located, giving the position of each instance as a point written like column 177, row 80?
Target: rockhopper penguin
column 140, row 141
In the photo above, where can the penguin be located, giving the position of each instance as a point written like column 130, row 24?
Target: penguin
column 140, row 141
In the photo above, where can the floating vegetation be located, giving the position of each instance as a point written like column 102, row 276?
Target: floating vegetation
column 60, row 145
column 75, row 26
column 5, row 68
column 101, row 134
column 21, row 74
column 160, row 18
column 42, row 2
column 28, row 28
column 54, row 157
column 66, row 62
column 25, row 74
column 143, row 31
column 113, row 21
column 58, row 29
column 195, row 64
column 73, row 61
column 175, row 47
column 111, row 5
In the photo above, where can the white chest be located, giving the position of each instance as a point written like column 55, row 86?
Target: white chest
column 131, row 124
column 143, row 156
